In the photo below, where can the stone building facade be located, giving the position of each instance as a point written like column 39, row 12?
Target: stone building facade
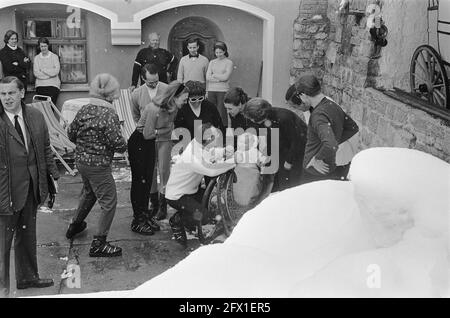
column 338, row 48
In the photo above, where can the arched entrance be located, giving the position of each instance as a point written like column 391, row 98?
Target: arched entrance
column 199, row 27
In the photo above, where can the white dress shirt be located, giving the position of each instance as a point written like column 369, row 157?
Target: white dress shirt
column 21, row 123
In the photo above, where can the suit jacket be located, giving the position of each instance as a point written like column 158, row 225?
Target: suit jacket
column 17, row 165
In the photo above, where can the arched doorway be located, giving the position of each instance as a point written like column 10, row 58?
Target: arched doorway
column 202, row 28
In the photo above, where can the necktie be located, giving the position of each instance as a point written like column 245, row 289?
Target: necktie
column 18, row 128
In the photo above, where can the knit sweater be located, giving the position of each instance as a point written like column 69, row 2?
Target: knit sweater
column 46, row 70
column 96, row 133
column 328, row 127
column 9, row 56
column 208, row 114
column 218, row 74
column 158, row 119
column 192, row 69
column 188, row 171
column 140, row 99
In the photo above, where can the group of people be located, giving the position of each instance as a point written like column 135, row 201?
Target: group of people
column 46, row 66
column 181, row 138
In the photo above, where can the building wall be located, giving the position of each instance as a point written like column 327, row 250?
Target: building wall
column 407, row 23
column 245, row 48
column 284, row 12
column 352, row 66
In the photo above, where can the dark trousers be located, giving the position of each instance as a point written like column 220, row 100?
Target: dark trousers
column 141, row 154
column 217, row 98
column 285, row 179
column 340, row 173
column 191, row 209
column 23, row 225
column 51, row 91
column 98, row 184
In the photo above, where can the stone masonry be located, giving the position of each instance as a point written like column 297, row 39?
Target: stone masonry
column 350, row 70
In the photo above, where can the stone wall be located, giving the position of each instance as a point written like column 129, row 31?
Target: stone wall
column 354, row 72
column 311, row 32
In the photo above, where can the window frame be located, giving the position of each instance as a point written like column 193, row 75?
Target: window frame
column 56, row 41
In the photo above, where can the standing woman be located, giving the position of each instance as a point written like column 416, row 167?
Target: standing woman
column 291, row 141
column 159, row 124
column 13, row 58
column 96, row 133
column 46, row 70
column 217, row 79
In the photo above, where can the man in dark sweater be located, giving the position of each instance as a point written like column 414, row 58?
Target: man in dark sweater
column 163, row 59
column 197, row 108
column 328, row 127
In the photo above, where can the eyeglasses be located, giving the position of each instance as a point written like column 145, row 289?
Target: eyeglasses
column 196, row 99
column 152, row 83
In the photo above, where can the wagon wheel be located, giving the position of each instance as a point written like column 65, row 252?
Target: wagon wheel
column 428, row 78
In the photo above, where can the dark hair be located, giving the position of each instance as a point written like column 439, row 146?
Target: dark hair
column 151, row 68
column 293, row 96
column 9, row 34
column 236, row 96
column 221, row 45
column 12, row 79
column 256, row 109
column 309, row 85
column 43, row 40
column 193, row 40
column 196, row 88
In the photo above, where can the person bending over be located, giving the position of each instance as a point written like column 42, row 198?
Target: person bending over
column 183, row 191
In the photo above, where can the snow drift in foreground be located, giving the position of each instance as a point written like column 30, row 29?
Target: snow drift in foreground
column 384, row 234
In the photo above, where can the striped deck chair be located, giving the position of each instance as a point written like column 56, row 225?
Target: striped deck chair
column 59, row 142
column 123, row 110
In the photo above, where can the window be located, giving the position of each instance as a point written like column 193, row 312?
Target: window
column 68, row 42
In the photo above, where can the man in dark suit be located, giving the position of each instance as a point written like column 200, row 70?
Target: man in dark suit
column 25, row 162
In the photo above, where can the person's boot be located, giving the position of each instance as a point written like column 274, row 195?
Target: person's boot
column 154, row 203
column 140, row 225
column 101, row 248
column 177, row 227
column 151, row 222
column 162, row 212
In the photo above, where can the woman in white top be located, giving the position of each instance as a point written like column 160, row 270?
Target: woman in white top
column 46, row 70
column 217, row 79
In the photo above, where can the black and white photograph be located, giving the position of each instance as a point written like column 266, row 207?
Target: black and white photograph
column 225, row 149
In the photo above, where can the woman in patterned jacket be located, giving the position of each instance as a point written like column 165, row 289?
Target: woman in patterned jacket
column 96, row 133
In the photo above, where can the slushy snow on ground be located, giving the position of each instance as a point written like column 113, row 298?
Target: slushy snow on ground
column 383, row 234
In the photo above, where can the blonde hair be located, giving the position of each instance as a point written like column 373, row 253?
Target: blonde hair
column 104, row 86
column 165, row 98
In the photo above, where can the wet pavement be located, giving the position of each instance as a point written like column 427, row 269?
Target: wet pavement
column 144, row 257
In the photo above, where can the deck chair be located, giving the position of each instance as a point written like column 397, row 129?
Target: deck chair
column 59, row 142
column 123, row 110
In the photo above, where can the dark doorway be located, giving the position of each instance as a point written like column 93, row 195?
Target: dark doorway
column 203, row 29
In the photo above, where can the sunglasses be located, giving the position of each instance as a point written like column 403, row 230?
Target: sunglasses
column 196, row 99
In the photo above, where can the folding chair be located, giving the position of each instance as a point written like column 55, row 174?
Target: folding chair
column 59, row 142
column 123, row 109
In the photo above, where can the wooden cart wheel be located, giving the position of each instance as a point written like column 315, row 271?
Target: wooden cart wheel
column 428, row 77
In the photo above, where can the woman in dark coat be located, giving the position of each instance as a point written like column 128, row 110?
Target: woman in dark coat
column 290, row 144
column 13, row 59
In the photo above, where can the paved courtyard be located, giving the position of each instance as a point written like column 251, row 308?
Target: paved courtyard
column 143, row 257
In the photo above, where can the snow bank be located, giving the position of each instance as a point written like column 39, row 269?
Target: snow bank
column 384, row 234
